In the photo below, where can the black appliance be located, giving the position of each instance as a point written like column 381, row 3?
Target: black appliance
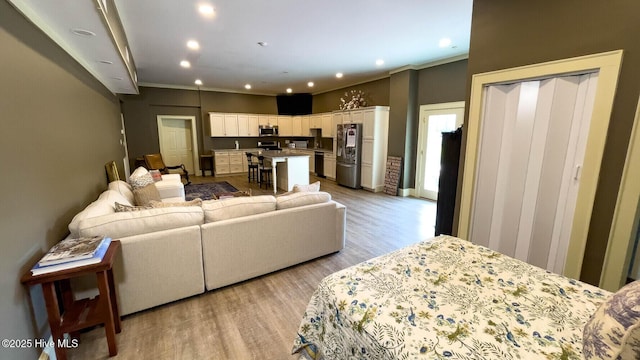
column 269, row 145
column 448, row 182
column 319, row 163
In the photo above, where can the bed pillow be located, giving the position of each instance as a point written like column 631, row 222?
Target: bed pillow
column 613, row 331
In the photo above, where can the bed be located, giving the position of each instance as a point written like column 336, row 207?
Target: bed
column 446, row 298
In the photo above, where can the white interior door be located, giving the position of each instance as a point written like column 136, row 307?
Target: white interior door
column 533, row 141
column 434, row 120
column 177, row 139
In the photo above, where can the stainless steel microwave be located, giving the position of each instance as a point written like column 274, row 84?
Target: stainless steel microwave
column 268, row 130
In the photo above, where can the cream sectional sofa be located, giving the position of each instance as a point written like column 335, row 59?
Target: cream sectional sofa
column 170, row 253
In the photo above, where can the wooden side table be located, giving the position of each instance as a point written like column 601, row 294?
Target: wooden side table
column 206, row 163
column 81, row 314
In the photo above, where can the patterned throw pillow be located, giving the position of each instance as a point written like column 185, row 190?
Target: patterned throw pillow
column 160, row 204
column 141, row 181
column 613, row 332
column 127, row 208
column 146, row 194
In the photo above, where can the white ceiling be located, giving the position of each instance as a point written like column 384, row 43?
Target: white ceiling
column 307, row 40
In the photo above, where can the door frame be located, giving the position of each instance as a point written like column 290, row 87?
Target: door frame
column 608, row 66
column 625, row 217
column 194, row 136
column 423, row 136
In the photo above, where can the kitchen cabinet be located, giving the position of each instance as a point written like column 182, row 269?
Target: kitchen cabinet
column 296, row 124
column 315, row 121
column 330, row 166
column 253, row 122
column 230, row 161
column 375, row 131
column 216, row 122
column 243, row 124
column 304, row 124
column 273, row 120
column 231, row 124
column 285, row 126
column 327, row 125
column 221, row 160
column 263, row 120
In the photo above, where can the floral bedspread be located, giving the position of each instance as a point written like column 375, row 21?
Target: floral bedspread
column 446, row 298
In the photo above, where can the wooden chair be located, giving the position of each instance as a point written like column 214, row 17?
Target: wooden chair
column 264, row 171
column 155, row 162
column 252, row 168
column 112, row 171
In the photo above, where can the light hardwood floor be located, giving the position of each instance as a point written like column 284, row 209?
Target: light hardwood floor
column 259, row 318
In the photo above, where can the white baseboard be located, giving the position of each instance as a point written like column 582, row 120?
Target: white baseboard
column 406, row 192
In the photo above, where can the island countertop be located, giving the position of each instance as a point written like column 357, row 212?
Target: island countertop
column 277, row 153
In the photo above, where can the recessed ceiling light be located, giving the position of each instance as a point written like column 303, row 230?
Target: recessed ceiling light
column 193, row 45
column 206, row 9
column 444, row 42
column 83, row 32
column 379, row 62
column 310, row 84
column 185, row 64
column 198, row 82
column 263, row 43
column 339, row 75
column 247, row 86
column 289, row 90
column 106, row 62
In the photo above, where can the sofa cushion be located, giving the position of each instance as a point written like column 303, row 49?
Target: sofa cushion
column 146, row 194
column 123, row 188
column 216, row 210
column 315, row 187
column 131, row 223
column 104, row 205
column 301, row 199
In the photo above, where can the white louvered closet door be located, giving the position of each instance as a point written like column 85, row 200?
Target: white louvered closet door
column 533, row 141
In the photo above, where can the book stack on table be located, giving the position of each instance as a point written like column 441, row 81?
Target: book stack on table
column 71, row 253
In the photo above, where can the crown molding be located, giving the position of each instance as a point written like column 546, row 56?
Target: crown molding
column 430, row 64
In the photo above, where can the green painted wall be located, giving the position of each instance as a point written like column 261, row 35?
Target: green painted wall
column 59, row 127
column 506, row 34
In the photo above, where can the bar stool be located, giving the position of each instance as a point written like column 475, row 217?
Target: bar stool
column 252, row 168
column 265, row 172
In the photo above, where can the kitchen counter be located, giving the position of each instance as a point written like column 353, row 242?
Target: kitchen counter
column 292, row 166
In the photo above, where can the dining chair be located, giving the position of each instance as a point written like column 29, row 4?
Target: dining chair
column 252, row 168
column 265, row 172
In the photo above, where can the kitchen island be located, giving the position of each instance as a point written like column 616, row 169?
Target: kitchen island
column 288, row 168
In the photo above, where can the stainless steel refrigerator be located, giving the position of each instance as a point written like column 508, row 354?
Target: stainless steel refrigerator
column 349, row 155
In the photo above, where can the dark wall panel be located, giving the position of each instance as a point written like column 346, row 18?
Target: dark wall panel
column 376, row 93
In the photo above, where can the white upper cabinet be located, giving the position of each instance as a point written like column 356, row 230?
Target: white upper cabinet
column 315, row 121
column 231, row 124
column 216, row 122
column 254, row 122
column 297, row 126
column 327, row 125
column 243, row 125
column 285, row 126
column 305, row 125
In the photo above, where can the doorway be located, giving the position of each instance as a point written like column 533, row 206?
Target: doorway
column 434, row 120
column 608, row 67
column 178, row 139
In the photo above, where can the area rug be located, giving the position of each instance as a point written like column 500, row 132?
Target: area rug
column 208, row 191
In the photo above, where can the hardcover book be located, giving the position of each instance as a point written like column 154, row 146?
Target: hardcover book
column 97, row 256
column 71, row 250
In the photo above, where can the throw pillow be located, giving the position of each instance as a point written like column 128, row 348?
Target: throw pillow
column 305, row 188
column 126, row 208
column 302, row 199
column 160, row 204
column 141, row 181
column 613, row 331
column 145, row 194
